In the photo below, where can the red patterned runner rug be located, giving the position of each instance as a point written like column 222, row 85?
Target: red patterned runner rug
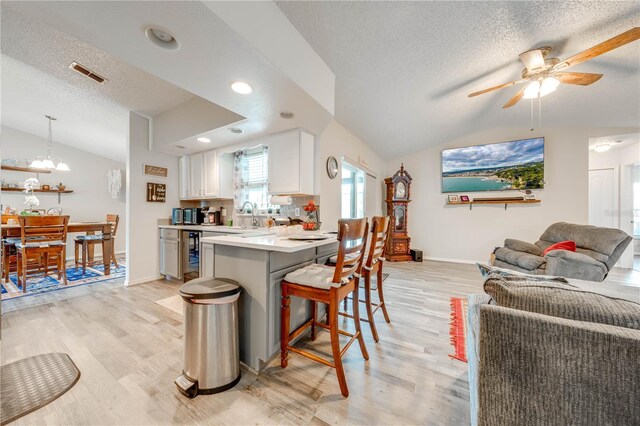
column 458, row 328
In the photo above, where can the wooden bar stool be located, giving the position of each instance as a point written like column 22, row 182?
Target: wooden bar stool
column 324, row 284
column 373, row 265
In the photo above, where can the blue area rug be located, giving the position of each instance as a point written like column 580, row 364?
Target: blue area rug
column 39, row 284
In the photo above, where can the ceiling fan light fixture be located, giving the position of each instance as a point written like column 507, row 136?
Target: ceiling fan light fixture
column 531, row 92
column 603, row 147
column 549, row 85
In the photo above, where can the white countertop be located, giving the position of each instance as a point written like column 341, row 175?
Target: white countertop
column 270, row 242
column 210, row 228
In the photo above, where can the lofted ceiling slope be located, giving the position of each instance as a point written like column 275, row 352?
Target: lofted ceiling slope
column 404, row 69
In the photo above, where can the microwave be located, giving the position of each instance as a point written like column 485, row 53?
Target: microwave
column 177, row 216
column 193, row 216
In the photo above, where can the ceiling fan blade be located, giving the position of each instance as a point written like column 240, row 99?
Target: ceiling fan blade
column 580, row 78
column 516, row 98
column 500, row 86
column 613, row 43
column 533, row 60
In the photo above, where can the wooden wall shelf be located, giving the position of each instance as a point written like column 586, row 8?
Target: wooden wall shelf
column 41, row 191
column 505, row 202
column 25, row 169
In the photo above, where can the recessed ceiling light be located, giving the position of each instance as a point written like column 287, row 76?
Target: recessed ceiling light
column 236, row 130
column 286, row 114
column 603, row 147
column 241, row 87
column 162, row 38
column 205, row 140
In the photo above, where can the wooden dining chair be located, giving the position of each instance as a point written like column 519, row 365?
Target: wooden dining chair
column 85, row 241
column 373, row 265
column 324, row 284
column 42, row 239
column 9, row 255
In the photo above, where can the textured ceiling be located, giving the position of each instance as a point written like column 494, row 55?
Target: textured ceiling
column 212, row 54
column 36, row 80
column 404, row 69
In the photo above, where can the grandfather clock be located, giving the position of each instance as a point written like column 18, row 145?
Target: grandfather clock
column 397, row 199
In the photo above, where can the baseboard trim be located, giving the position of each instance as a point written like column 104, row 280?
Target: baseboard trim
column 446, row 259
column 128, row 283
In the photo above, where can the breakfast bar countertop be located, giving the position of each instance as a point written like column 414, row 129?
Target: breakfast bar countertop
column 209, row 228
column 263, row 240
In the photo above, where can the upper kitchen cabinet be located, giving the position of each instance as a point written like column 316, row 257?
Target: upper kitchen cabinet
column 199, row 176
column 291, row 161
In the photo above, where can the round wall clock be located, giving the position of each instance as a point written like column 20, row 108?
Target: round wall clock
column 332, row 167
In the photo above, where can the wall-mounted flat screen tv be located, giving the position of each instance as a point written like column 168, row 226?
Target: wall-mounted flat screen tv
column 494, row 167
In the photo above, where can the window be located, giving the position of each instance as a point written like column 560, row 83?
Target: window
column 352, row 191
column 251, row 177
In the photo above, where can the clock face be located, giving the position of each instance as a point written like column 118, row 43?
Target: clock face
column 332, row 167
column 401, row 190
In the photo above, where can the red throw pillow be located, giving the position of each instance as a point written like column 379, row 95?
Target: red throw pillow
column 562, row 245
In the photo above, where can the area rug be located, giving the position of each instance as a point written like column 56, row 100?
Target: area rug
column 31, row 383
column 39, row 284
column 458, row 329
column 173, row 303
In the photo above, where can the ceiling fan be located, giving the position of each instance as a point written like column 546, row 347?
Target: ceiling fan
column 544, row 74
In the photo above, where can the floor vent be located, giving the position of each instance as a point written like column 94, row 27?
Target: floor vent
column 84, row 71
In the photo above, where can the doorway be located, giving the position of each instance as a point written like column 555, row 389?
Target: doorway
column 614, row 190
column 353, row 191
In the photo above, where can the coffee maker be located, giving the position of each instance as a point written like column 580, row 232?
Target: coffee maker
column 214, row 217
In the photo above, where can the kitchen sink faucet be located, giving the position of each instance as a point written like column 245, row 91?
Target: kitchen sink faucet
column 254, row 219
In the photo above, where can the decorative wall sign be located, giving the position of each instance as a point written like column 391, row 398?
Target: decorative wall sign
column 156, row 192
column 160, row 171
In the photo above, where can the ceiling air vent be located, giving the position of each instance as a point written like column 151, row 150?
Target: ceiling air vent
column 87, row 72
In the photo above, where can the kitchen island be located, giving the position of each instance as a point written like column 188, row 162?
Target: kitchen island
column 259, row 261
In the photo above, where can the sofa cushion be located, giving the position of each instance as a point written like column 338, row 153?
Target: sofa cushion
column 561, row 300
column 524, row 260
column 522, row 246
column 602, row 240
column 562, row 245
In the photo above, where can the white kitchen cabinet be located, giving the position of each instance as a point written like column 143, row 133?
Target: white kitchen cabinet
column 196, row 185
column 184, row 177
column 199, row 176
column 170, row 259
column 291, row 161
column 225, row 175
column 210, row 171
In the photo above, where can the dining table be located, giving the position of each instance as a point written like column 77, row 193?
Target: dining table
column 78, row 227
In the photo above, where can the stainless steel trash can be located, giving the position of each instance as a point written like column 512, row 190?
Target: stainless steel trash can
column 211, row 348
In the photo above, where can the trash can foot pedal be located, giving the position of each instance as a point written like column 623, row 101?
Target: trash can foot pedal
column 187, row 387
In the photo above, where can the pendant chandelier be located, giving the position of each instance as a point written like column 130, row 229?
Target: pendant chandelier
column 48, row 163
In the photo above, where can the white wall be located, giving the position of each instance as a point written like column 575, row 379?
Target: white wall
column 143, row 216
column 456, row 233
column 339, row 142
column 618, row 159
column 90, row 200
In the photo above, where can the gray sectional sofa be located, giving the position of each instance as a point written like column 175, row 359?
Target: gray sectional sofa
column 543, row 351
column 598, row 249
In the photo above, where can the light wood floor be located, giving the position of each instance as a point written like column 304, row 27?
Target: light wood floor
column 129, row 351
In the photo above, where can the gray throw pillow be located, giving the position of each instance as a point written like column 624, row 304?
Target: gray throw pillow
column 561, row 300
